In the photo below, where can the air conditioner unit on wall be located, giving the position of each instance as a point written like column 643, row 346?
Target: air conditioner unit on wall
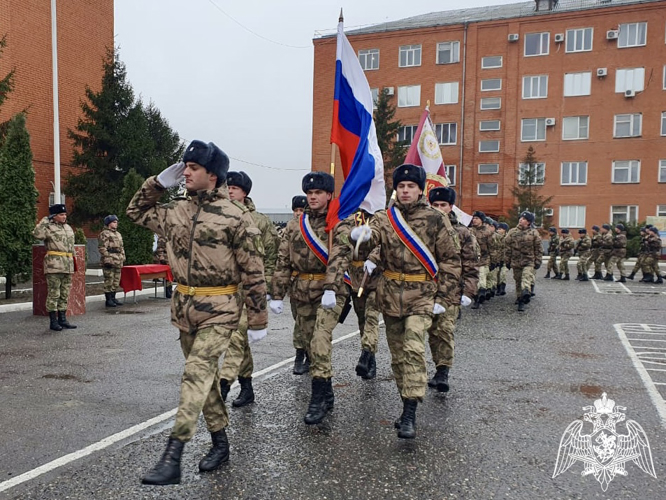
column 513, row 37
column 559, row 37
column 602, row 72
column 629, row 93
column 550, row 122
column 390, row 91
column 612, row 34
column 547, row 212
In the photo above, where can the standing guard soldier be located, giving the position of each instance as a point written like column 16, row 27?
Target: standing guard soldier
column 238, row 362
column 301, row 361
column 483, row 236
column 642, row 253
column 112, row 251
column 584, row 249
column 59, row 263
column 213, row 248
column 596, row 252
column 652, row 260
column 160, row 256
column 420, row 253
column 566, row 250
column 605, row 250
column 553, row 249
column 523, row 252
column 618, row 253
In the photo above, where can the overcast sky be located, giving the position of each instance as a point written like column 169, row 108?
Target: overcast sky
column 239, row 73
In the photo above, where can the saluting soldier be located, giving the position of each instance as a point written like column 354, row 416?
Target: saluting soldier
column 483, row 236
column 553, row 249
column 618, row 253
column 112, row 251
column 596, row 252
column 523, row 253
column 420, row 254
column 213, row 248
column 566, row 250
column 584, row 249
column 605, row 250
column 59, row 263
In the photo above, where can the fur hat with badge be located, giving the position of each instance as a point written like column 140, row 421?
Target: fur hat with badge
column 209, row 156
column 318, row 180
column 528, row 216
column 58, row 208
column 241, row 180
column 445, row 194
column 109, row 219
column 409, row 173
column 299, row 202
column 479, row 215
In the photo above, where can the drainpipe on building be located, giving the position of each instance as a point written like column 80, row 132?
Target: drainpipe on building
column 56, row 114
column 462, row 119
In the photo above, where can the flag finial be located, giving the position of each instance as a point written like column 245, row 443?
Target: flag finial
column 341, row 18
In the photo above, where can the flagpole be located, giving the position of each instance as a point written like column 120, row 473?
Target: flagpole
column 330, row 234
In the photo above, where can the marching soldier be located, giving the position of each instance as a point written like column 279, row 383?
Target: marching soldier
column 605, row 249
column 420, row 253
column 566, row 249
column 503, row 228
column 301, row 361
column 596, row 252
column 584, row 250
column 160, row 256
column 440, row 334
column 112, row 251
column 523, row 252
column 553, row 249
column 496, row 257
column 213, row 248
column 652, row 260
column 59, row 263
column 238, row 361
column 618, row 253
column 483, row 237
column 642, row 253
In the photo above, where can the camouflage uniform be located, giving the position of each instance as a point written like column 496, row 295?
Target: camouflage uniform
column 566, row 252
column 483, row 237
column 523, row 253
column 618, row 253
column 213, row 242
column 58, row 261
column 595, row 253
column 651, row 262
column 501, row 272
column 642, row 253
column 496, row 255
column 160, row 255
column 584, row 253
column 553, row 249
column 605, row 249
column 111, row 250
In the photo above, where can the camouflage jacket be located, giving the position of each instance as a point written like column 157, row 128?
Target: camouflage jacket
column 584, row 244
column 496, row 248
column 654, row 243
column 110, row 244
column 644, row 245
column 483, row 236
column 469, row 257
column 213, row 242
column 606, row 242
column 57, row 238
column 522, row 247
column 160, row 253
column 596, row 241
column 403, row 298
column 269, row 237
column 567, row 245
column 619, row 245
column 554, row 245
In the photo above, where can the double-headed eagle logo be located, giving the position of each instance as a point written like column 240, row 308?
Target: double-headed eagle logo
column 604, row 452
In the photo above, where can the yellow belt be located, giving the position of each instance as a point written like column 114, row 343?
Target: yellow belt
column 357, row 263
column 392, row 275
column 206, row 290
column 60, row 254
column 309, row 276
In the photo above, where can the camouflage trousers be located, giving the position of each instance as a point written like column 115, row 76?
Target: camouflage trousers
column 603, row 259
column 552, row 264
column 368, row 319
column 440, row 336
column 524, row 278
column 200, row 384
column 111, row 279
column 639, row 263
column 564, row 263
column 584, row 262
column 616, row 262
column 651, row 264
column 238, row 361
column 483, row 277
column 594, row 258
column 406, row 341
column 316, row 325
column 491, row 279
column 57, row 296
column 502, row 275
column 298, row 339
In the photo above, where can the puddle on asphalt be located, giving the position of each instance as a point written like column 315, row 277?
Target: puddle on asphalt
column 591, row 391
column 65, row 376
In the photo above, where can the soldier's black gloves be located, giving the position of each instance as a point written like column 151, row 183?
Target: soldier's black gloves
column 508, row 266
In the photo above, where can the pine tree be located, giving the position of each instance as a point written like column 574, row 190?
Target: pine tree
column 18, row 202
column 393, row 151
column 530, row 178
column 6, row 86
column 137, row 240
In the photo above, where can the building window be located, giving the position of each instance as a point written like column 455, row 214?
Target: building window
column 410, row 55
column 536, row 44
column 533, row 129
column 662, row 170
column 624, row 213
column 448, row 52
column 579, row 40
column 531, row 174
column 491, row 103
column 487, row 189
column 409, row 96
column 661, row 210
column 663, row 123
column 490, row 62
column 489, row 146
column 369, row 59
column 576, row 84
column 575, row 128
column 451, row 174
column 535, row 87
column 487, row 125
column 632, row 35
column 572, row 216
column 375, row 97
column 492, row 84
column 446, row 93
column 406, row 133
column 446, row 133
column 629, row 79
column 488, row 168
column 626, row 172
column 628, row 125
column 574, row 173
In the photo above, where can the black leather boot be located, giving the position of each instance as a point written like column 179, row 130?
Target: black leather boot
column 608, row 277
column 525, row 296
column 168, row 291
column 218, row 454
column 363, row 364
column 109, row 300
column 597, row 275
column 622, row 279
column 329, row 397
column 318, row 408
column 441, row 379
column 647, row 278
column 115, row 301
column 532, row 294
column 502, row 289
column 585, row 277
column 476, row 303
column 482, row 295
column 54, row 321
column 224, row 389
column 558, row 276
column 579, row 276
column 521, row 306
column 488, row 294
column 631, row 276
column 408, row 423
column 566, row 277
column 372, row 368
column 547, row 276
column 167, row 470
column 659, row 280
column 62, row 320
column 299, row 362
column 246, row 395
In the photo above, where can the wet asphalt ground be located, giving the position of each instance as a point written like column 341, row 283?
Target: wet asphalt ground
column 518, row 381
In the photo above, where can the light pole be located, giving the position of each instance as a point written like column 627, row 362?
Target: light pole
column 56, row 113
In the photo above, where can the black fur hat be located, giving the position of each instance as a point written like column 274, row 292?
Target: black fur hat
column 565, row 231
column 209, row 156
column 582, row 231
column 241, row 180
column 620, row 227
column 479, row 214
column 552, row 229
column 529, row 216
column 298, row 202
column 318, row 180
column 442, row 194
column 504, row 225
column 409, row 173
column 58, row 208
column 595, row 228
column 606, row 227
column 109, row 219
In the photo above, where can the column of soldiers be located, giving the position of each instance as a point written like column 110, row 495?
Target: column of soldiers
column 648, row 257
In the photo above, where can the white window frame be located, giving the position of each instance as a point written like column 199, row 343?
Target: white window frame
column 447, row 92
column 634, row 121
column 582, row 80
column 487, row 184
column 572, row 220
column 485, row 103
column 633, row 168
column 488, row 143
column 581, row 124
column 454, row 52
column 541, row 82
column 412, row 128
column 497, row 82
column 412, row 52
column 661, row 173
column 578, row 39
column 629, row 79
column 663, row 123
column 409, row 96
column 539, row 125
column 626, row 213
column 573, row 169
column 661, row 211
column 540, row 174
column 493, row 171
column 544, row 42
column 439, row 127
column 451, row 172
column 490, row 125
column 487, row 64
column 369, row 59
column 623, row 41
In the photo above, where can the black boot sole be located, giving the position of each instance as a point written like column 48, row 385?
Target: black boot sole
column 161, row 483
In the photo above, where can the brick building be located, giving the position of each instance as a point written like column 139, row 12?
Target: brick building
column 582, row 81
column 85, row 30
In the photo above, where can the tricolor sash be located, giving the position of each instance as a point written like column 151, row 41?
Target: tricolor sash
column 315, row 245
column 409, row 238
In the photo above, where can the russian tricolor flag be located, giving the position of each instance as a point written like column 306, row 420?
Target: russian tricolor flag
column 354, row 132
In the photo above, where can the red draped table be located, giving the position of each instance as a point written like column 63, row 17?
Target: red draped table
column 131, row 277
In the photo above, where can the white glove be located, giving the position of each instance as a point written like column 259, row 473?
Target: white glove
column 465, row 301
column 438, row 309
column 361, row 233
column 268, row 297
column 256, row 335
column 369, row 266
column 171, row 176
column 328, row 299
column 276, row 306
